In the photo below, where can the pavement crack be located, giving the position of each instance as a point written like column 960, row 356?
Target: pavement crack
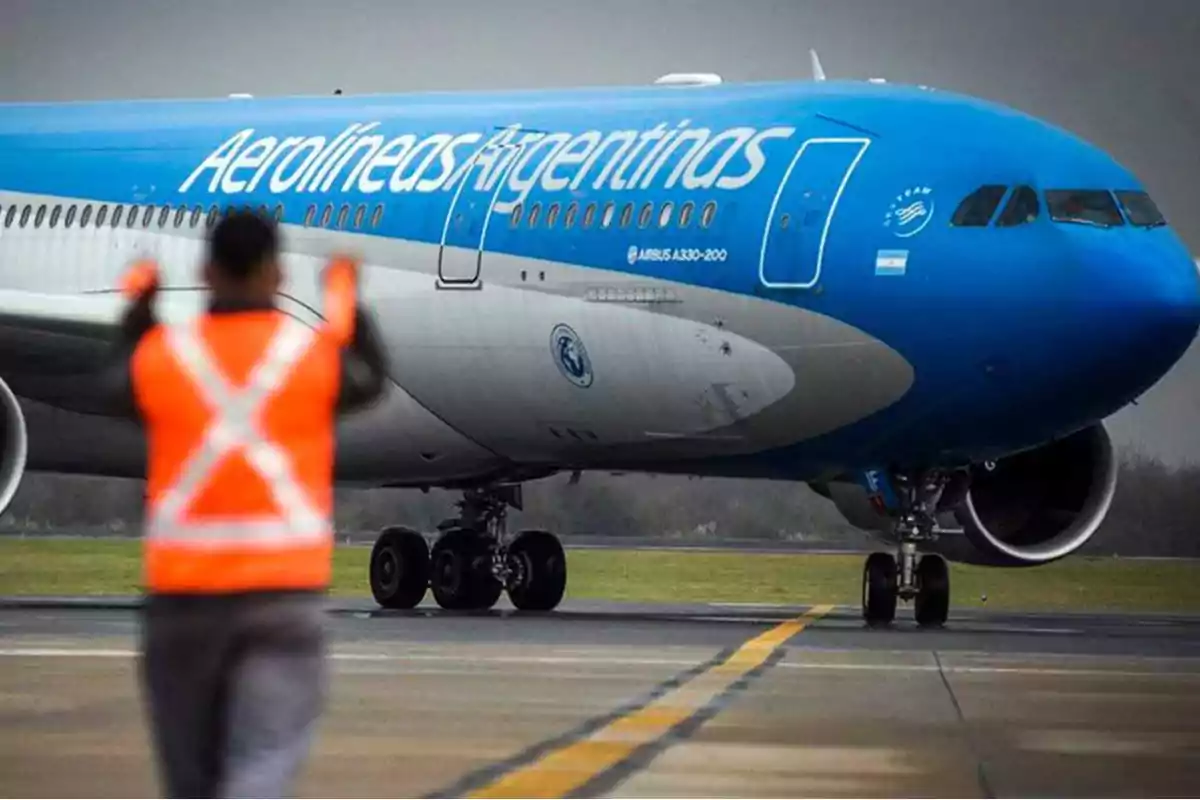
column 980, row 765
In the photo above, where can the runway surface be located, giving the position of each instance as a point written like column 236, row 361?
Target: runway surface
column 637, row 701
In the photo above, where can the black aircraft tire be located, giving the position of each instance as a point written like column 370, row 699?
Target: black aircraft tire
column 880, row 588
column 460, row 573
column 542, row 571
column 932, row 604
column 399, row 568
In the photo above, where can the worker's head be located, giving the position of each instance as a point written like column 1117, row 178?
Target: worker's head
column 243, row 257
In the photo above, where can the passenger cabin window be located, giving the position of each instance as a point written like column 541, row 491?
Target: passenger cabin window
column 377, row 216
column 10, row 216
column 534, row 211
column 626, row 215
column 710, row 211
column 213, row 213
column 41, row 215
column 569, row 216
column 552, row 215
column 133, row 213
column 1140, row 209
column 589, row 215
column 514, row 217
column 977, row 208
column 197, row 215
column 180, row 215
column 70, row 219
column 163, row 214
column 685, row 213
column 664, row 216
column 101, row 215
column 25, row 212
column 147, row 216
column 359, row 215
column 609, row 210
column 1022, row 207
column 309, row 216
column 1086, row 206
column 86, row 216
column 54, row 215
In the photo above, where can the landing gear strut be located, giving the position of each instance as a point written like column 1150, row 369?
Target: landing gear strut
column 923, row 579
column 472, row 561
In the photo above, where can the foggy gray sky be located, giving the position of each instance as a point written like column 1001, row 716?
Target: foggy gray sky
column 1116, row 72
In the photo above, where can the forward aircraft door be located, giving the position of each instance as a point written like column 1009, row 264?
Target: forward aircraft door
column 464, row 232
column 802, row 213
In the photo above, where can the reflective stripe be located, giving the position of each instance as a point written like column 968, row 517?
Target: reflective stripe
column 235, row 426
column 266, row 533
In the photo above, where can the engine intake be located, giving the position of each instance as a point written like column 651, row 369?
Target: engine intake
column 1042, row 504
column 14, row 445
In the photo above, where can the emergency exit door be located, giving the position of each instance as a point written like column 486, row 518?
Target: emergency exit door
column 472, row 210
column 802, row 213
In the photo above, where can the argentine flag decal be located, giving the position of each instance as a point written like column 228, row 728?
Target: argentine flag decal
column 891, row 262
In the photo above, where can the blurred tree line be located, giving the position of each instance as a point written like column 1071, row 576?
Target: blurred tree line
column 1152, row 514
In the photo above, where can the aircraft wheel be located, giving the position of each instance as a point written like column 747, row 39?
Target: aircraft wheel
column 932, row 604
column 539, row 567
column 880, row 589
column 461, row 572
column 399, row 568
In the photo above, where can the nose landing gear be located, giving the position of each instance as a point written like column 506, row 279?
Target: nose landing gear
column 923, row 579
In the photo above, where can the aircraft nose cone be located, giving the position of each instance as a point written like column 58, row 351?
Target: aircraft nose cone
column 1156, row 313
column 1172, row 309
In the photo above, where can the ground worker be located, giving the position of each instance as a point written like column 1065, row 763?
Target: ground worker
column 238, row 406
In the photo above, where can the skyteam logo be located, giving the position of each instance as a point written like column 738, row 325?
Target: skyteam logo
column 910, row 211
column 571, row 356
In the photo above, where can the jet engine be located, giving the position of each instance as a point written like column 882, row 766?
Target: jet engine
column 1029, row 508
column 1039, row 505
column 14, row 445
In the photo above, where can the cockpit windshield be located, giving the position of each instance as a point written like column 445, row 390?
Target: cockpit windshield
column 1086, row 206
column 1140, row 209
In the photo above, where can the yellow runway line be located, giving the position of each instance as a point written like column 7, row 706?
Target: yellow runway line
column 565, row 769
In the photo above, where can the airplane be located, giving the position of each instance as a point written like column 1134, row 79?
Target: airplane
column 917, row 302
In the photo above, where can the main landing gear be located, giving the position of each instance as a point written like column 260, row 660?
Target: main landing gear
column 472, row 561
column 924, row 579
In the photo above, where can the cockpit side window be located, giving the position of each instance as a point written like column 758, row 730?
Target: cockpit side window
column 1140, row 209
column 977, row 208
column 1086, row 206
column 1022, row 207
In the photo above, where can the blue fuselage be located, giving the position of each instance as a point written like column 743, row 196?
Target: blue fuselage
column 1004, row 282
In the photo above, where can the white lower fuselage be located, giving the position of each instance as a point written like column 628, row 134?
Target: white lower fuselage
column 672, row 372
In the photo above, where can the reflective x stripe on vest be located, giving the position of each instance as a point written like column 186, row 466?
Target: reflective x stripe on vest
column 235, row 426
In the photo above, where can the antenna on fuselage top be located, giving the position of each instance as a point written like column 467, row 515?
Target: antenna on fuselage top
column 818, row 72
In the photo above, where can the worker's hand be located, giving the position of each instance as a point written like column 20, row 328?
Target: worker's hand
column 340, row 282
column 140, row 285
column 140, row 281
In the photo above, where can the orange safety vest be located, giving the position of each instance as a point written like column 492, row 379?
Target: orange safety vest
column 239, row 412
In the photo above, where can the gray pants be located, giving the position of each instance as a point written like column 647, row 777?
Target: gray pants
column 234, row 687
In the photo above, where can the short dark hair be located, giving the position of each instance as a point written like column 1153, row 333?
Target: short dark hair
column 241, row 242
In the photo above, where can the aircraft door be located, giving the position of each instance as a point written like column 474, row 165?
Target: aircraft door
column 464, row 232
column 802, row 213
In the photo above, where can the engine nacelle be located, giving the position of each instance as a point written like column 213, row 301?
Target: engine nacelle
column 1029, row 508
column 1042, row 504
column 14, row 445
